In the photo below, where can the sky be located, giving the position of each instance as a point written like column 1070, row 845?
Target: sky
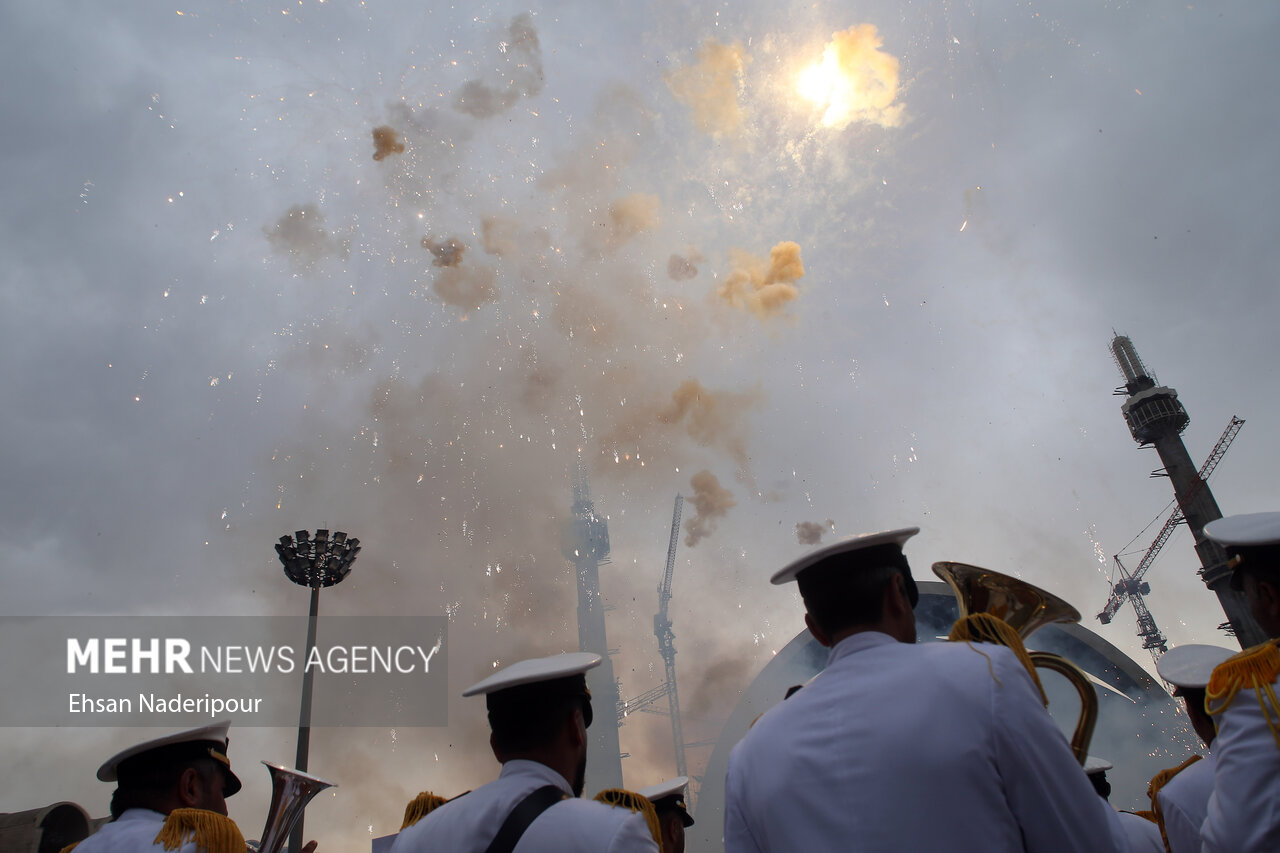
column 821, row 268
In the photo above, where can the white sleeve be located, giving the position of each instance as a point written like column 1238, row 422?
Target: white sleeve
column 1183, row 833
column 737, row 835
column 1051, row 798
column 633, row 836
column 1244, row 809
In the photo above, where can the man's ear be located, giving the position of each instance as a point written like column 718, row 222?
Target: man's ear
column 897, row 602
column 818, row 633
column 577, row 728
column 1269, row 596
column 493, row 745
column 190, row 788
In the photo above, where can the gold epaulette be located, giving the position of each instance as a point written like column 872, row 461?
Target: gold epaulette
column 1157, row 782
column 211, row 832
column 69, row 847
column 1254, row 669
column 985, row 628
column 421, row 806
column 622, row 798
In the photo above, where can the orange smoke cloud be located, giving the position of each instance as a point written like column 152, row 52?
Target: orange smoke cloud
column 762, row 289
column 710, row 417
column 386, row 142
column 854, row 80
column 709, row 87
column 447, row 253
column 711, row 502
column 632, row 215
column 810, row 532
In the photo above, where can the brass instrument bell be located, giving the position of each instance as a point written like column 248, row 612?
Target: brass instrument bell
column 1026, row 608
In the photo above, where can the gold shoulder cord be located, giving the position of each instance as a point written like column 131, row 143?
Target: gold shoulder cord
column 985, row 628
column 1158, row 781
column 621, row 798
column 1253, row 669
column 421, row 806
column 211, row 832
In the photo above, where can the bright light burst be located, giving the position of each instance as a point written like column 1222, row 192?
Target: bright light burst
column 817, row 82
column 854, row 80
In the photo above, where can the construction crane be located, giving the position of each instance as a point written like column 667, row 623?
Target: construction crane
column 1131, row 587
column 667, row 648
column 666, row 639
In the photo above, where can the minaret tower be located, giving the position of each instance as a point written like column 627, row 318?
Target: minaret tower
column 1156, row 418
column 586, row 545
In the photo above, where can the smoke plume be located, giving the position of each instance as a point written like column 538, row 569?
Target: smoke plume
column 810, row 532
column 520, row 68
column 632, row 215
column 386, row 142
column 711, row 503
column 711, row 418
column 684, row 267
column 465, row 287
column 446, row 253
column 709, row 87
column 301, row 235
column 764, row 289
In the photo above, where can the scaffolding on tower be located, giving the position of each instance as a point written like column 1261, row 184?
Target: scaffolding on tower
column 1156, row 418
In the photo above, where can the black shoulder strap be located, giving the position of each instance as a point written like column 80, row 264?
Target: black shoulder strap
column 525, row 813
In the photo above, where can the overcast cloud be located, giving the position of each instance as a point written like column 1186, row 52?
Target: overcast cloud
column 390, row 268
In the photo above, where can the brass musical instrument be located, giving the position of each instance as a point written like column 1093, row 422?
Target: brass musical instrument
column 291, row 790
column 1025, row 608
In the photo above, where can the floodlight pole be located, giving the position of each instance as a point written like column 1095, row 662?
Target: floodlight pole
column 304, row 714
column 313, row 563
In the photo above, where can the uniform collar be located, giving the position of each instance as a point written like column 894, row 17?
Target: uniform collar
column 140, row 814
column 858, row 642
column 535, row 770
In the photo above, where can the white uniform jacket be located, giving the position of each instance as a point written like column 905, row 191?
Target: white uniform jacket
column 133, row 832
column 1184, row 801
column 1143, row 835
column 1244, row 810
column 469, row 823
column 897, row 747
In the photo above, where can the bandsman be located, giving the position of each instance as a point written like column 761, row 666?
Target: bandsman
column 673, row 815
column 903, row 747
column 1140, row 829
column 539, row 711
column 170, row 794
column 1180, row 795
column 1244, row 810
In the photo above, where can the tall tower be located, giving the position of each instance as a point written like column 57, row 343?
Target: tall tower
column 1156, row 418
column 586, row 545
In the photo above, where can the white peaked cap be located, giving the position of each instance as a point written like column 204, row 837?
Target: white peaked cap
column 844, row 546
column 1191, row 664
column 533, row 670
column 1251, row 530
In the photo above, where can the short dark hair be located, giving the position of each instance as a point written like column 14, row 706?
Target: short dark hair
column 847, row 590
column 145, row 783
column 529, row 716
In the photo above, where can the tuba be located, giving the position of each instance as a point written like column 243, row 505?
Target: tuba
column 291, row 790
column 1025, row 608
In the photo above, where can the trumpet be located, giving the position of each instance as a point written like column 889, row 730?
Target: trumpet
column 291, row 790
column 1025, row 608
